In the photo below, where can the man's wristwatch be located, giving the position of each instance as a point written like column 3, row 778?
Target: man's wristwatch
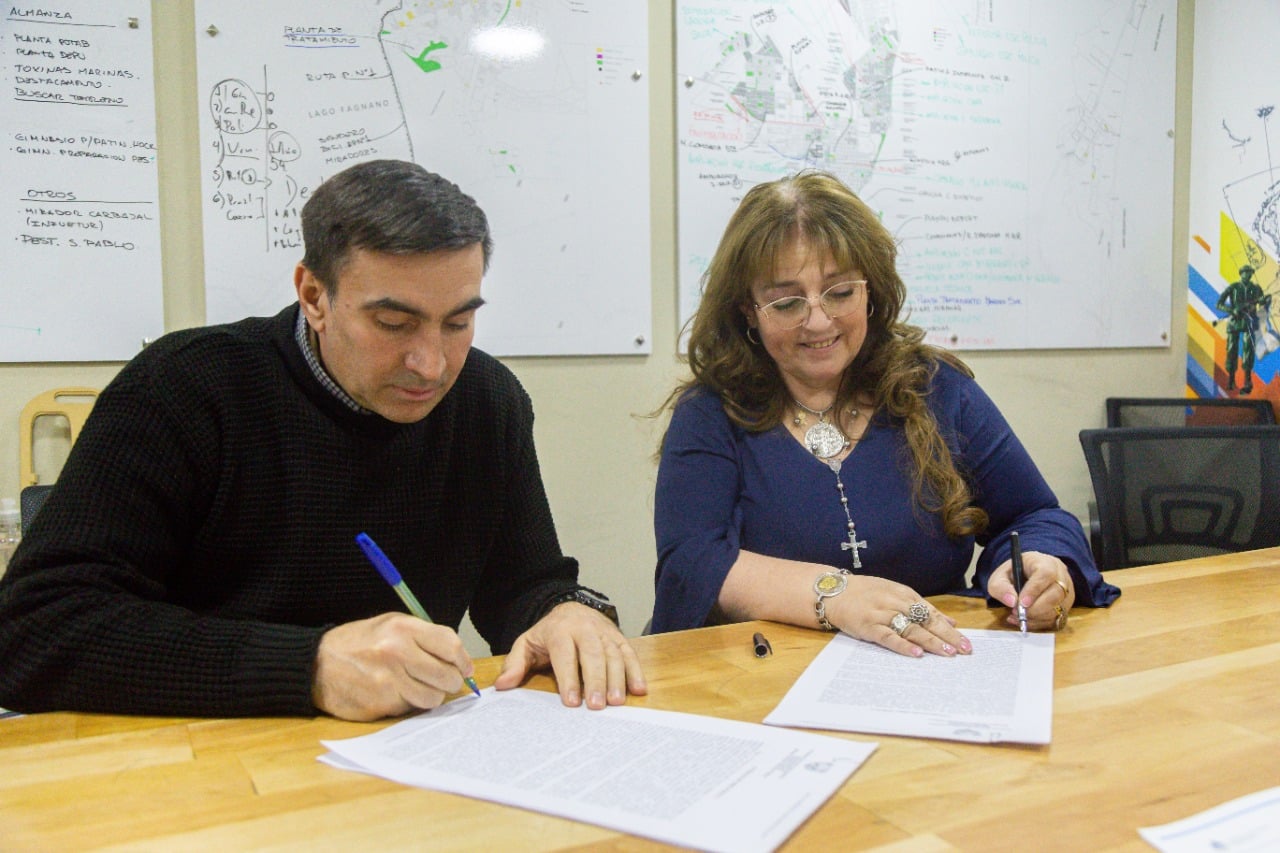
column 828, row 585
column 591, row 598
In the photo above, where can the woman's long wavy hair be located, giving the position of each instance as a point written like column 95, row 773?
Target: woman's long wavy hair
column 894, row 366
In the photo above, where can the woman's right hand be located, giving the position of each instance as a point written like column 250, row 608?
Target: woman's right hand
column 867, row 608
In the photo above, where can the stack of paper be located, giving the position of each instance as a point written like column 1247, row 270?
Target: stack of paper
column 679, row 778
column 1001, row 692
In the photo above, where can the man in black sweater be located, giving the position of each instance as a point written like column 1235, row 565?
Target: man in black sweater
column 198, row 554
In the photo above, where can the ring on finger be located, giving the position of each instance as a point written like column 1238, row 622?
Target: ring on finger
column 1060, row 619
column 900, row 623
column 1066, row 590
column 919, row 613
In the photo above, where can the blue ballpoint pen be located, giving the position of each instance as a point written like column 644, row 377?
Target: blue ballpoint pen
column 389, row 573
column 1016, row 556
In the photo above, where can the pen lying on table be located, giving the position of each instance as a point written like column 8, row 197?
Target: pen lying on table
column 392, row 576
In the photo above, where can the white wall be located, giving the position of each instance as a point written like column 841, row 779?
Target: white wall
column 595, row 443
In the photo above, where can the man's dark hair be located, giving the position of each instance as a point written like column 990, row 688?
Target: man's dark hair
column 391, row 206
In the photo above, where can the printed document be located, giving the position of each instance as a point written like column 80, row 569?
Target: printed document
column 1001, row 692
column 1250, row 824
column 679, row 778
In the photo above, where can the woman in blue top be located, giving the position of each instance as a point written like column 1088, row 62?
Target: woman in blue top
column 824, row 466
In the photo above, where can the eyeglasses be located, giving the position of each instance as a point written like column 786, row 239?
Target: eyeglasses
column 792, row 312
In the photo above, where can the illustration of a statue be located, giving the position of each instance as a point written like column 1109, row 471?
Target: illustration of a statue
column 1242, row 300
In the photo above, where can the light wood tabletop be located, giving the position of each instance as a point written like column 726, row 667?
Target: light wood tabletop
column 1164, row 705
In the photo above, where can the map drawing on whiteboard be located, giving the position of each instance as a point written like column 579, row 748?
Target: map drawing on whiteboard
column 1020, row 153
column 539, row 111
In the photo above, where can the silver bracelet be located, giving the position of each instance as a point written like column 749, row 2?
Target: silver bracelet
column 828, row 585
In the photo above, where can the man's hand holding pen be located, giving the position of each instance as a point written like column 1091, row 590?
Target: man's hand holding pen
column 1047, row 592
column 387, row 666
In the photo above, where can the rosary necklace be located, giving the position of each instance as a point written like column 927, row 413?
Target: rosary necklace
column 825, row 441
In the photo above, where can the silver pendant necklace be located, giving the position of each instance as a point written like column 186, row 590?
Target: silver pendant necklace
column 825, row 441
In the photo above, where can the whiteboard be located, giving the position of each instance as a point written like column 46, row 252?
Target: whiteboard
column 80, row 217
column 1021, row 153
column 537, row 110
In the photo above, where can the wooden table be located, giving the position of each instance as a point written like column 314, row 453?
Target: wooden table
column 1164, row 705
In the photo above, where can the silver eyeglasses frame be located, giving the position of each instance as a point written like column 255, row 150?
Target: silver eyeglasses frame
column 854, row 301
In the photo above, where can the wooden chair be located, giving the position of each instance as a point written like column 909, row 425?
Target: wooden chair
column 73, row 404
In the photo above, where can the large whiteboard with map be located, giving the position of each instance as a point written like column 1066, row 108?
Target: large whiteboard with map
column 1021, row 153
column 539, row 110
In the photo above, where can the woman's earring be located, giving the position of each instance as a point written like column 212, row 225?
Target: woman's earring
column 755, row 341
column 871, row 309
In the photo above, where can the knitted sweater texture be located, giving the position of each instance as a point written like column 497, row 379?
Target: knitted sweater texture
column 201, row 537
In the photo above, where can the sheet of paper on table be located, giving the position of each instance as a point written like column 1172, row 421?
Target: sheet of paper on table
column 1249, row 824
column 1001, row 692
column 679, row 778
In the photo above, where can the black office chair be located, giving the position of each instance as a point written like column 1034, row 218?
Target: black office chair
column 1176, row 412
column 1183, row 411
column 1172, row 493
column 30, row 499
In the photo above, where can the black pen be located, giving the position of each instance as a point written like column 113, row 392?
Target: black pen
column 761, row 645
column 1016, row 556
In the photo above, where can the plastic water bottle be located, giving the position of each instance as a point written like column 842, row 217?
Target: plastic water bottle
column 10, row 531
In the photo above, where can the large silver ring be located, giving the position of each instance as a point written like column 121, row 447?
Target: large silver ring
column 919, row 613
column 900, row 623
